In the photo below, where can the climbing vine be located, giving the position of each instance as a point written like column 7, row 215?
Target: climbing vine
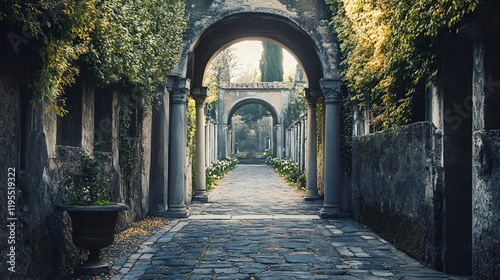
column 389, row 49
column 132, row 42
column 128, row 141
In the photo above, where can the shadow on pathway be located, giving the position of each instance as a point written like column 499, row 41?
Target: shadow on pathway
column 257, row 227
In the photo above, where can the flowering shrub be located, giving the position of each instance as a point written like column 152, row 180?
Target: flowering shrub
column 219, row 169
column 288, row 170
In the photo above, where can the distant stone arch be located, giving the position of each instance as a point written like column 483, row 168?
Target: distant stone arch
column 273, row 96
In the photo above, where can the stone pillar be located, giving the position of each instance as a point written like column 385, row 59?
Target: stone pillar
column 302, row 142
column 207, row 143
column 214, row 141
column 279, row 140
column 297, row 141
column 88, row 115
column 179, row 88
column 366, row 114
column 357, row 122
column 232, row 138
column 332, row 92
column 158, row 180
column 212, row 144
column 290, row 142
column 312, row 164
column 273, row 137
column 221, row 132
column 200, row 194
column 228, row 141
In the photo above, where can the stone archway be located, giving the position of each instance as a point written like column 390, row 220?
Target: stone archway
column 300, row 27
column 272, row 96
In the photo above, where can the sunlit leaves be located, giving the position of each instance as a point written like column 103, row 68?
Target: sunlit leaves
column 133, row 42
column 389, row 49
column 138, row 41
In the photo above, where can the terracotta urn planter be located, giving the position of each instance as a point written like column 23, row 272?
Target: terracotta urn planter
column 93, row 229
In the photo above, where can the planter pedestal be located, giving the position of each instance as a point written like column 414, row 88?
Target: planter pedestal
column 93, row 229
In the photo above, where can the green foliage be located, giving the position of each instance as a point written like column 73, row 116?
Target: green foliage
column 289, row 170
column 390, row 49
column 219, row 169
column 191, row 118
column 127, row 143
column 251, row 113
column 346, row 136
column 266, row 154
column 122, row 41
column 90, row 186
column 271, row 63
column 319, row 122
column 296, row 106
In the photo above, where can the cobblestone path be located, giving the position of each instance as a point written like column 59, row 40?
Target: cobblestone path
column 257, row 227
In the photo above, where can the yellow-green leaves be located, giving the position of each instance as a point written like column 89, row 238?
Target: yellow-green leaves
column 137, row 41
column 133, row 42
column 389, row 49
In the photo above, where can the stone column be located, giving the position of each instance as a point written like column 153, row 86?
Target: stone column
column 366, row 114
column 302, row 142
column 207, row 143
column 200, row 194
column 312, row 164
column 332, row 92
column 228, row 141
column 232, row 138
column 273, row 137
column 214, row 141
column 357, row 122
column 221, row 128
column 279, row 140
column 179, row 88
column 158, row 180
column 297, row 141
column 288, row 143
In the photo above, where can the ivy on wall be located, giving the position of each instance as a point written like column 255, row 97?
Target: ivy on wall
column 133, row 42
column 389, row 49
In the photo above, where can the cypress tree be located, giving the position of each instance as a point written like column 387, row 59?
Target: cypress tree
column 271, row 63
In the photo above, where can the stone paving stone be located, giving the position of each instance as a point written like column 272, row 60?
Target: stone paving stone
column 301, row 258
column 257, row 226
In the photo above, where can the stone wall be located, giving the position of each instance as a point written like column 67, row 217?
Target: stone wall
column 43, row 148
column 397, row 187
column 42, row 239
column 486, row 201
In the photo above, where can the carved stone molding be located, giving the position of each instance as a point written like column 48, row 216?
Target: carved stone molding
column 178, row 88
column 199, row 95
column 332, row 90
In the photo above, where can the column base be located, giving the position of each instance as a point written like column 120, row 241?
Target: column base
column 157, row 213
column 177, row 212
column 311, row 195
column 201, row 196
column 332, row 212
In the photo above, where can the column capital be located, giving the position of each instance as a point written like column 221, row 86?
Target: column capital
column 303, row 116
column 199, row 94
column 178, row 88
column 312, row 95
column 332, row 90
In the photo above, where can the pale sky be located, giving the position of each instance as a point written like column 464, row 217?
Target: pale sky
column 249, row 53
